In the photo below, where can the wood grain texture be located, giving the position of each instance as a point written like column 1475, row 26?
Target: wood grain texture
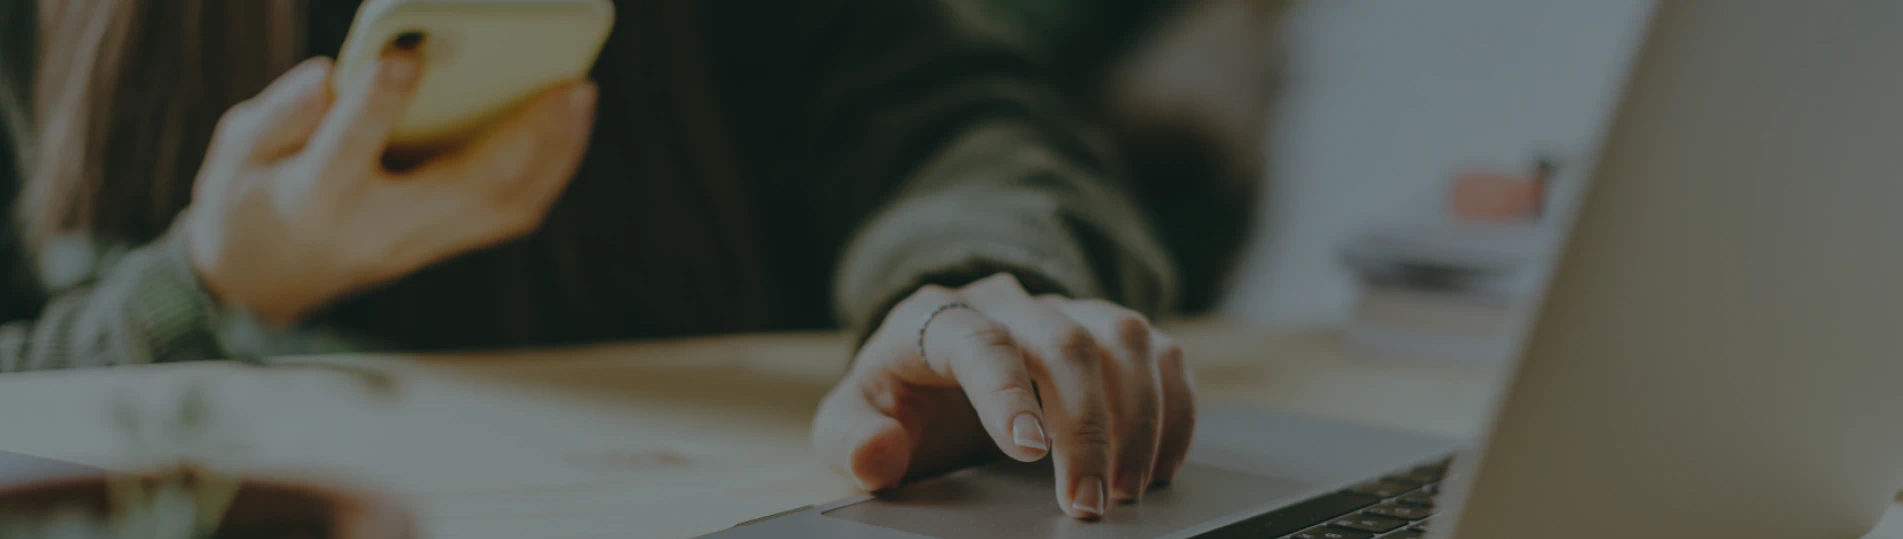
column 662, row 439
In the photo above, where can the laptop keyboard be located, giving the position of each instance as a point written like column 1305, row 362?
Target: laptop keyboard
column 1399, row 506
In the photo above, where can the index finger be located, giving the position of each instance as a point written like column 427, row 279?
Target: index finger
column 933, row 339
column 359, row 124
column 963, row 346
column 1068, row 360
column 279, row 118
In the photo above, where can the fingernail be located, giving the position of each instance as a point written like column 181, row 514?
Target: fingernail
column 1028, row 432
column 582, row 100
column 1130, row 487
column 1089, row 497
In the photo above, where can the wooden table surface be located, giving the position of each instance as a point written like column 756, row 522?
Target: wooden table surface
column 669, row 439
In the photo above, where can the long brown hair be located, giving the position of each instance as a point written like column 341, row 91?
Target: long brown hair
column 654, row 236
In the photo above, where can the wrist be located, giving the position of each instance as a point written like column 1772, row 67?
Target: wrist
column 276, row 293
column 276, row 307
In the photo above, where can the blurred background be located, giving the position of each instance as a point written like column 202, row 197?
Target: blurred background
column 1406, row 169
column 1383, row 103
column 1384, row 109
column 1409, row 164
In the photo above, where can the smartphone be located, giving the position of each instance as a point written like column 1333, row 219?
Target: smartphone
column 481, row 58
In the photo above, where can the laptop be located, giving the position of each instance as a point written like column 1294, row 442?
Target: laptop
column 1719, row 353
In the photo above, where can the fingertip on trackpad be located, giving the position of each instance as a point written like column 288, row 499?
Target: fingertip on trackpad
column 1018, row 500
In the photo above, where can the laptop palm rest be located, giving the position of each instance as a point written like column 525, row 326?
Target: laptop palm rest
column 19, row 468
column 1019, row 500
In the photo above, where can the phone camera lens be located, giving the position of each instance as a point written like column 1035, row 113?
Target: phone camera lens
column 409, row 41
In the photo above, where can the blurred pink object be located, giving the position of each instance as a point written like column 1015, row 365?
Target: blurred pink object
column 1494, row 197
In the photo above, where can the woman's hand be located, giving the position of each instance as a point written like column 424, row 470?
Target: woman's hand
column 294, row 206
column 954, row 374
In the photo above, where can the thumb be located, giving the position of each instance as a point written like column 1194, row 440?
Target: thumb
column 266, row 127
column 859, row 441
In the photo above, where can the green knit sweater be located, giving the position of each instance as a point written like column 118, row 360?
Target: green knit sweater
column 975, row 169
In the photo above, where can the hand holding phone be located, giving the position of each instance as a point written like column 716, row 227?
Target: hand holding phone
column 295, row 207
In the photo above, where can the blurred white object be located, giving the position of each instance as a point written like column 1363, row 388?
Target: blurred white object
column 1382, row 101
column 1443, row 291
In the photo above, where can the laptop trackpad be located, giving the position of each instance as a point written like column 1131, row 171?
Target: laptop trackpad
column 1019, row 500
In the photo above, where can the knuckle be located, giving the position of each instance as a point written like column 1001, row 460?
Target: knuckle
column 237, row 113
column 1091, row 433
column 990, row 336
column 1015, row 390
column 931, row 295
column 1000, row 278
column 1167, row 353
column 234, row 127
column 1132, row 331
column 1005, row 281
column 1077, row 347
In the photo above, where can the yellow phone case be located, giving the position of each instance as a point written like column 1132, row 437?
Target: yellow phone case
column 481, row 58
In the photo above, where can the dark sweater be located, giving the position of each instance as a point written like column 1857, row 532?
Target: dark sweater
column 943, row 156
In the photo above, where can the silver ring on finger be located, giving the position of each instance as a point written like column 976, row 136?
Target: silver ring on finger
column 926, row 323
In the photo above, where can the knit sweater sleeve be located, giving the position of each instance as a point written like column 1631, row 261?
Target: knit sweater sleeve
column 949, row 157
column 109, row 306
column 103, row 306
column 141, row 306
